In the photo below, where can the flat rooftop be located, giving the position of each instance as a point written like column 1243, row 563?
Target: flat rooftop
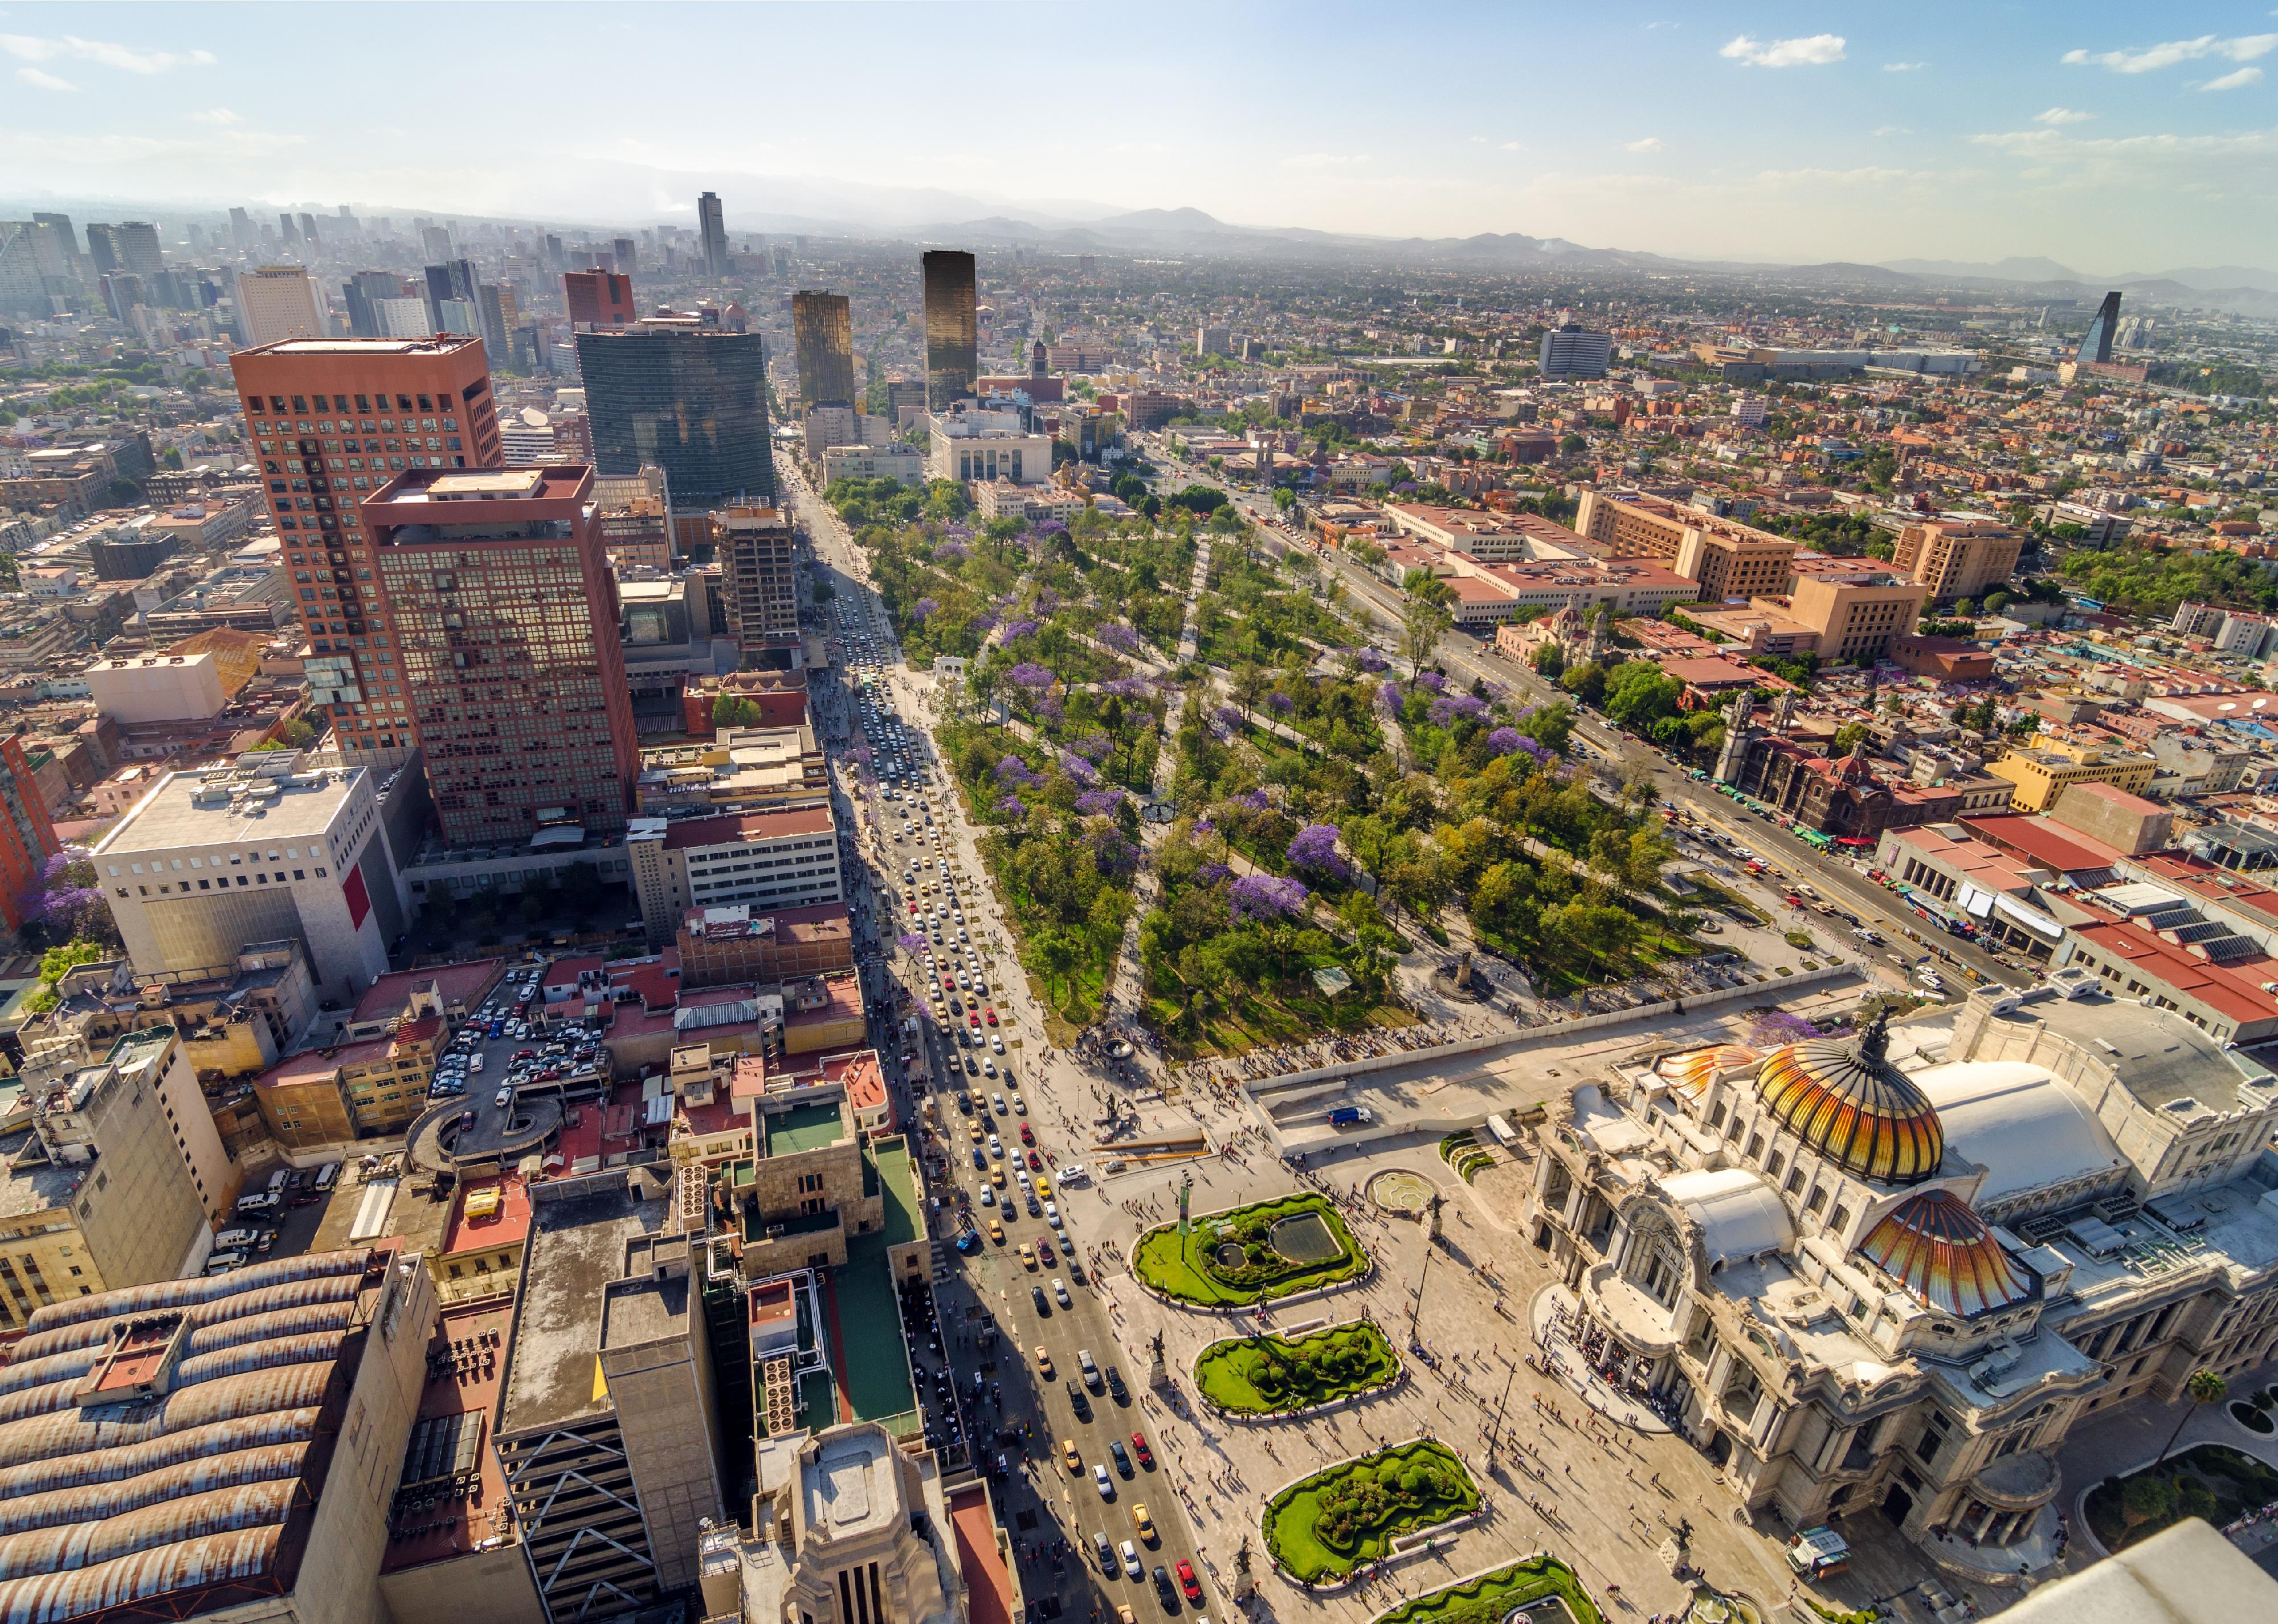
column 803, row 1128
column 454, row 1421
column 576, row 1252
column 226, row 807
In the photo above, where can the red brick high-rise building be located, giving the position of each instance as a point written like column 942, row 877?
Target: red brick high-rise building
column 27, row 839
column 506, row 617
column 599, row 298
column 332, row 421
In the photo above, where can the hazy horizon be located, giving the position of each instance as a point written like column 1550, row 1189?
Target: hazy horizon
column 1777, row 134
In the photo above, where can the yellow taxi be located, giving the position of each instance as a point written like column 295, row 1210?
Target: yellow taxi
column 974, row 1130
column 1028, row 1257
column 995, row 1232
column 1069, row 1458
column 1043, row 1189
column 997, row 1174
column 1144, row 1523
column 1043, row 1364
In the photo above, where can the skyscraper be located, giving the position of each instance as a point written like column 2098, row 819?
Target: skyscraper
column 712, row 227
column 690, row 399
column 452, row 281
column 823, row 329
column 952, row 330
column 363, row 293
column 60, row 255
column 286, row 229
column 506, row 617
column 275, row 302
column 624, row 255
column 435, row 244
column 332, row 419
column 242, row 230
column 102, row 250
column 137, row 246
column 598, row 298
column 498, row 315
column 308, row 229
column 27, row 840
column 2096, row 343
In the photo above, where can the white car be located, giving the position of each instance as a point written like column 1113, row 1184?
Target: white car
column 503, row 1097
column 1102, row 1482
column 474, row 1062
column 1052, row 1214
column 1060, row 1291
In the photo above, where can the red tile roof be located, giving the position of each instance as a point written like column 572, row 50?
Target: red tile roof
column 2050, row 846
column 459, row 984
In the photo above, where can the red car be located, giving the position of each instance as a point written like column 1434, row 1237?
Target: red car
column 1139, row 1448
column 1045, row 1255
column 975, row 1019
column 1027, row 1134
column 1187, row 1581
column 949, row 982
column 992, row 1014
column 1035, row 1162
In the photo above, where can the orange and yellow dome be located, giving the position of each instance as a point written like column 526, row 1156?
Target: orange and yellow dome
column 1846, row 1102
column 1693, row 1072
column 1943, row 1253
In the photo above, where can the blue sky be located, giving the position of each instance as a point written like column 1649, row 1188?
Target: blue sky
column 2110, row 137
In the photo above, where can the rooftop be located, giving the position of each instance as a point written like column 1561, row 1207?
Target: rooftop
column 244, row 1403
column 507, row 1224
column 576, row 1252
column 454, row 1411
column 803, row 1128
column 455, row 984
column 234, row 806
column 734, row 829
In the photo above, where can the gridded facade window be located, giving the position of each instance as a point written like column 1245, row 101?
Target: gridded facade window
column 692, row 403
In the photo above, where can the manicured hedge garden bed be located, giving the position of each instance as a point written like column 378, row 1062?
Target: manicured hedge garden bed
column 1261, row 1375
column 1191, row 1267
column 1325, row 1526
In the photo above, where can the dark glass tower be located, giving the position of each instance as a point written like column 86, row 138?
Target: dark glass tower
column 952, row 330
column 2096, row 343
column 824, row 332
column 691, row 400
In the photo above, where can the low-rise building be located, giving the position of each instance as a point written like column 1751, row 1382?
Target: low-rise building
column 2048, row 768
column 724, row 945
column 903, row 464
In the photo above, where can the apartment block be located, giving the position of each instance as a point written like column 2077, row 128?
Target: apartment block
column 513, row 671
column 1728, row 559
column 770, row 860
column 115, row 1178
column 1957, row 558
column 333, row 421
column 598, row 298
column 2050, row 767
column 1858, row 616
column 28, row 837
column 757, row 558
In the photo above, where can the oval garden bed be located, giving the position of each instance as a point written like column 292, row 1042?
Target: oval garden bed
column 1494, row 1595
column 1323, row 1526
column 1268, row 1375
column 1247, row 1254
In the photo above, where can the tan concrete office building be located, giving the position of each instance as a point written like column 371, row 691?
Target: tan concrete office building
column 1958, row 558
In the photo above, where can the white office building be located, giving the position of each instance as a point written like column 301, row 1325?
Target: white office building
column 1576, row 352
column 275, row 302
column 773, row 860
column 970, row 445
column 258, row 851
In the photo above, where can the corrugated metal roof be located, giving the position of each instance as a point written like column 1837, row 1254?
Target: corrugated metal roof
column 121, row 1505
column 206, row 1472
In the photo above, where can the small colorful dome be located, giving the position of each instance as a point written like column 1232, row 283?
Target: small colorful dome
column 1847, row 1102
column 1944, row 1255
column 1693, row 1072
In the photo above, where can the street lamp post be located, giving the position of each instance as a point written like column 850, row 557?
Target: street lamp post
column 1415, row 1309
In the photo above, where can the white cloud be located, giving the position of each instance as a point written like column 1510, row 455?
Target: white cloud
column 1812, row 49
column 1649, row 143
column 2062, row 115
column 1324, row 160
column 1513, row 146
column 71, row 48
column 221, row 116
column 1893, row 129
column 40, row 79
column 1903, row 67
column 2243, row 47
column 2238, row 78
